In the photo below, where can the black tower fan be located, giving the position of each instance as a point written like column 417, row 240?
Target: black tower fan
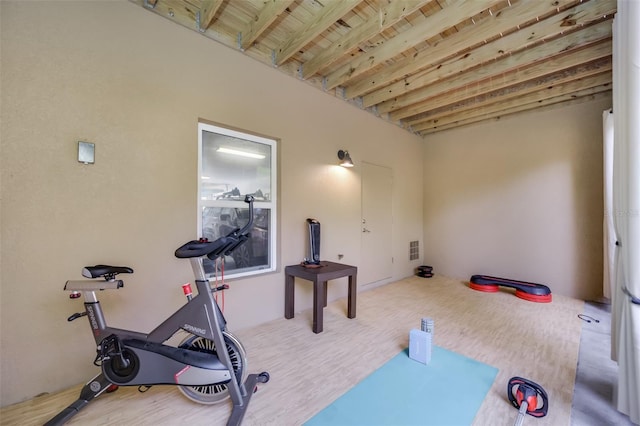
column 313, row 257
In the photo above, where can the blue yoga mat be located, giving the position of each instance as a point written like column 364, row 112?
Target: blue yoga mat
column 447, row 391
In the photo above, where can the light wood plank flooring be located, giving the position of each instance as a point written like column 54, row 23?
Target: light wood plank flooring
column 308, row 371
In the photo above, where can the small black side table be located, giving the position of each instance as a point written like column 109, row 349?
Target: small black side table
column 319, row 276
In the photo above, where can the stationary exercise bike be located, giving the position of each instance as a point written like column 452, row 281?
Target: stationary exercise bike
column 202, row 372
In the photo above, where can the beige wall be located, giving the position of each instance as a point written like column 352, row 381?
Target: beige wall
column 135, row 84
column 519, row 198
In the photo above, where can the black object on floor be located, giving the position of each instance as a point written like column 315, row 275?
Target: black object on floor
column 528, row 397
column 424, row 271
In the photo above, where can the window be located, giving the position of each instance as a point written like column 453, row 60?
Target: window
column 232, row 164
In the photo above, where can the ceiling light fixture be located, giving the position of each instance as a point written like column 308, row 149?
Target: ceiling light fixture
column 240, row 153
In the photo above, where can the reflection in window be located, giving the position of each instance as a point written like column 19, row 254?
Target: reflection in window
column 231, row 165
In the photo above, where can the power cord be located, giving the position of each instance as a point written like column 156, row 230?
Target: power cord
column 588, row 318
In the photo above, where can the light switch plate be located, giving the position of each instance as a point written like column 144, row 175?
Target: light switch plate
column 86, row 152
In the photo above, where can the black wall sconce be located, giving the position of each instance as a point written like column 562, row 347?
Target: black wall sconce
column 345, row 159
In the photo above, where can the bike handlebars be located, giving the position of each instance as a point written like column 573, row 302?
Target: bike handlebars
column 249, row 199
column 221, row 246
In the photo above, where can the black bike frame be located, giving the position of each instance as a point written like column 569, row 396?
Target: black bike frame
column 201, row 316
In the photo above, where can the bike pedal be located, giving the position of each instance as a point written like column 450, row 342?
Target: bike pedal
column 112, row 388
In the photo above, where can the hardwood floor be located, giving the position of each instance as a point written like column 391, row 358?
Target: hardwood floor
column 539, row 341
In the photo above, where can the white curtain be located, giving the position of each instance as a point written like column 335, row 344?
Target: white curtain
column 608, row 226
column 625, row 311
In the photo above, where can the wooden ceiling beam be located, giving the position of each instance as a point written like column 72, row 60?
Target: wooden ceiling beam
column 255, row 27
column 514, row 90
column 328, row 17
column 389, row 16
column 425, row 58
column 464, row 74
column 549, row 104
column 454, row 12
column 207, row 12
column 487, row 28
column 600, row 50
column 184, row 14
column 499, row 104
column 543, row 30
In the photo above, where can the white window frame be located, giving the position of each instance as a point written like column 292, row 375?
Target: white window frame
column 271, row 203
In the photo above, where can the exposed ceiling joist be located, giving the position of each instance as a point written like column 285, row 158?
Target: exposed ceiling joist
column 456, row 11
column 390, row 14
column 511, row 85
column 330, row 14
column 491, row 26
column 265, row 17
column 207, row 12
column 569, row 99
column 424, row 65
column 463, row 71
column 502, row 103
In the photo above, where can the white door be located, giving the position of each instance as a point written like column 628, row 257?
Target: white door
column 376, row 262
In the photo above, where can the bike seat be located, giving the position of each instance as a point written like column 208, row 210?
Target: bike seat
column 105, row 271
